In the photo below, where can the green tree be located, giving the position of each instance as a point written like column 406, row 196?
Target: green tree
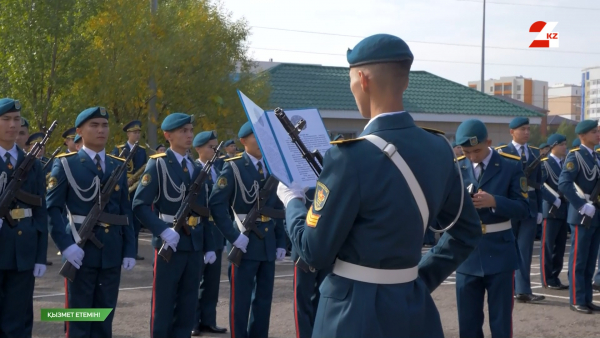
column 535, row 136
column 568, row 130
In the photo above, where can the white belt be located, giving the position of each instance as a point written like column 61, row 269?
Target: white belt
column 20, row 213
column 171, row 219
column 530, row 189
column 374, row 276
column 78, row 219
column 496, row 227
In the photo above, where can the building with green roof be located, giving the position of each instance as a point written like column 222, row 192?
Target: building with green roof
column 432, row 101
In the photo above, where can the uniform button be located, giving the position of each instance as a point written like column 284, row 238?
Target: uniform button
column 106, row 230
column 20, row 233
column 266, row 229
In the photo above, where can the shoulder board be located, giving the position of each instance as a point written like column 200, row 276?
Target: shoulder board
column 116, row 157
column 510, row 156
column 347, row 141
column 532, row 147
column 121, row 145
column 461, row 158
column 433, row 131
column 141, row 147
column 500, row 147
column 574, row 149
column 65, row 154
column 222, row 156
column 544, row 159
column 158, row 155
column 598, row 150
column 233, row 158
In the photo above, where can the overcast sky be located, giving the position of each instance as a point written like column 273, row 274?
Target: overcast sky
column 427, row 25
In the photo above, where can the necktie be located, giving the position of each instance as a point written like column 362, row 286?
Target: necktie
column 481, row 169
column 260, row 169
column 523, row 157
column 184, row 166
column 7, row 161
column 98, row 165
column 560, row 164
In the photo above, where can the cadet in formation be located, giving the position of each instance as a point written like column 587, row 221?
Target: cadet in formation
column 525, row 229
column 499, row 192
column 577, row 180
column 23, row 134
column 205, row 144
column 237, row 190
column 230, row 149
column 33, row 139
column 165, row 182
column 23, row 245
column 73, row 188
column 596, row 283
column 137, row 164
column 371, row 223
column 307, row 281
column 554, row 232
column 77, row 142
column 160, row 149
column 69, row 140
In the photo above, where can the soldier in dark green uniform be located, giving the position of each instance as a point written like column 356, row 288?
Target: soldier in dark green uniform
column 252, row 282
column 73, row 188
column 133, row 130
column 205, row 144
column 22, row 247
column 23, row 133
column 164, row 183
column 69, row 137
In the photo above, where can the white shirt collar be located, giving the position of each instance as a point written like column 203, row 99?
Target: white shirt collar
column 92, row 154
column 180, row 157
column 518, row 146
column 556, row 158
column 486, row 160
column 380, row 115
column 130, row 145
column 590, row 150
column 12, row 151
column 255, row 161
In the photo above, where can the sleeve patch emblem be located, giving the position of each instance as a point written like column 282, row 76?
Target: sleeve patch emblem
column 222, row 182
column 146, row 179
column 570, row 166
column 52, row 182
column 312, row 219
column 321, row 194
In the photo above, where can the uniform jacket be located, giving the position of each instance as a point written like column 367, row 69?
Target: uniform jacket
column 550, row 175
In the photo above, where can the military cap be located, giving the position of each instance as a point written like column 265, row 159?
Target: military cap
column 245, row 130
column 576, row 143
column 338, row 136
column 203, row 137
column 175, row 121
column 470, row 133
column 558, row 138
column 543, row 145
column 379, row 48
column 77, row 138
column 90, row 113
column 134, row 125
column 69, row 133
column 35, row 137
column 24, row 122
column 585, row 126
column 518, row 122
column 8, row 105
column 228, row 143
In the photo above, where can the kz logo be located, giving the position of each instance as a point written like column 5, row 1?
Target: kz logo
column 546, row 38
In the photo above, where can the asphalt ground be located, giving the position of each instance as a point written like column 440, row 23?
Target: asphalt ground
column 549, row 318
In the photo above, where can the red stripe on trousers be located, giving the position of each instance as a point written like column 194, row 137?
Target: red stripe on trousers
column 543, row 251
column 153, row 294
column 574, row 265
column 295, row 303
column 232, row 301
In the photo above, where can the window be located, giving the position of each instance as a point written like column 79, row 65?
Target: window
column 518, row 87
column 518, row 96
column 594, row 92
column 507, row 88
column 491, row 89
column 498, row 88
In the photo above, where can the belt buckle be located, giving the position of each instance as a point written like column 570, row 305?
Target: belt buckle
column 18, row 213
column 483, row 229
column 264, row 219
column 104, row 225
column 210, row 218
column 192, row 221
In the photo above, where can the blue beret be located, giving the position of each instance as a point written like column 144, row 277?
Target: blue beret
column 454, row 145
column 24, row 122
column 228, row 143
column 77, row 138
column 175, row 121
column 585, row 126
column 338, row 136
column 8, row 105
column 35, row 137
column 543, row 145
column 517, row 122
column 90, row 113
column 471, row 133
column 379, row 48
column 69, row 133
column 576, row 143
column 245, row 130
column 134, row 125
column 203, row 138
column 558, row 138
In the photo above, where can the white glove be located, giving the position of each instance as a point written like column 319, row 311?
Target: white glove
column 557, row 203
column 540, row 218
column 588, row 209
column 210, row 257
column 39, row 270
column 171, row 238
column 241, row 242
column 280, row 254
column 128, row 263
column 286, row 194
column 74, row 255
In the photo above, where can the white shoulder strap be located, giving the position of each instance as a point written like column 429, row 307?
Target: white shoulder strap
column 390, row 150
